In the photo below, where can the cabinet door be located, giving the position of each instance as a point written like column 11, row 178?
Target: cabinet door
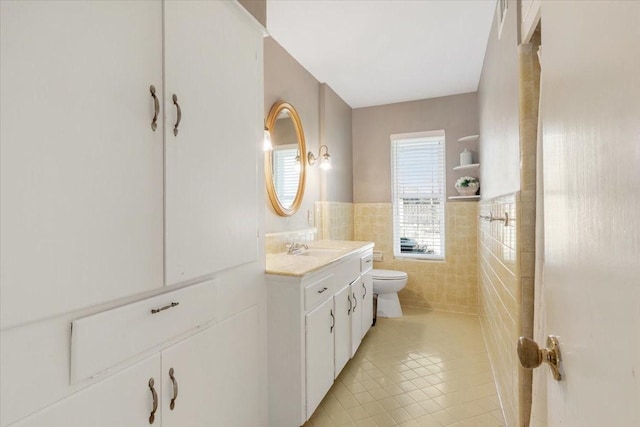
column 123, row 399
column 342, row 332
column 367, row 301
column 213, row 57
column 356, row 315
column 319, row 354
column 81, row 170
column 217, row 375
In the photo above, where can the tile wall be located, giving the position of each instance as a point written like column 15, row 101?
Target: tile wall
column 277, row 242
column 334, row 220
column 449, row 285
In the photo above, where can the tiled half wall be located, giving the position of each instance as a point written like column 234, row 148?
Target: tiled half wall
column 449, row 285
column 506, row 279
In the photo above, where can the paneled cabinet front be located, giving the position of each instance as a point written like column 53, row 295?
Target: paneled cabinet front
column 90, row 137
column 315, row 325
column 207, row 380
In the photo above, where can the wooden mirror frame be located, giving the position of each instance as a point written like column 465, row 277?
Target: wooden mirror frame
column 275, row 111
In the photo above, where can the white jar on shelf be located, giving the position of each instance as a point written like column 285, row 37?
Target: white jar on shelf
column 466, row 158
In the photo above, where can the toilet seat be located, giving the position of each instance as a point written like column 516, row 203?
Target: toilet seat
column 388, row 275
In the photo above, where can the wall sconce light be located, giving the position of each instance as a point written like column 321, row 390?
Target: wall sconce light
column 325, row 159
column 266, row 142
column 298, row 166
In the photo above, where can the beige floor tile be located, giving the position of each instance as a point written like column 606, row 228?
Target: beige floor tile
column 424, row 369
column 399, row 415
column 384, row 420
column 357, row 413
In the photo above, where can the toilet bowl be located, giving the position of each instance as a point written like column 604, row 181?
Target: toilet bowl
column 387, row 284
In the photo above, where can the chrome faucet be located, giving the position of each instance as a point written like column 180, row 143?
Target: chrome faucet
column 295, row 248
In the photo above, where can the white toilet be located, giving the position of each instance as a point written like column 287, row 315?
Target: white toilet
column 387, row 284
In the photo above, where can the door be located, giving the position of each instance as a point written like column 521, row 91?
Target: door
column 342, row 304
column 591, row 283
column 356, row 314
column 213, row 57
column 123, row 399
column 320, row 324
column 367, row 302
column 81, row 167
column 216, row 375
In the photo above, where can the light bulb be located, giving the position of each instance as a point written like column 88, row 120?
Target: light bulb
column 266, row 144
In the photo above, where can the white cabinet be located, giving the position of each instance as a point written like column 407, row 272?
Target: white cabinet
column 355, row 289
column 314, row 324
column 123, row 399
column 342, row 305
column 215, row 373
column 91, row 195
column 214, row 70
column 210, row 379
column 367, row 301
column 320, row 324
column 81, row 169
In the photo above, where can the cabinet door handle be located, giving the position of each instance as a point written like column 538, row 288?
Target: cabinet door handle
column 322, row 290
column 172, row 404
column 365, row 290
column 179, row 111
column 355, row 302
column 154, row 395
column 333, row 321
column 166, row 307
column 156, row 108
column 350, row 304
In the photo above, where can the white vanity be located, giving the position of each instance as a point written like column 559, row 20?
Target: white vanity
column 320, row 305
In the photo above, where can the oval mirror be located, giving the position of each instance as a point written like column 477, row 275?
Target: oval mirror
column 284, row 166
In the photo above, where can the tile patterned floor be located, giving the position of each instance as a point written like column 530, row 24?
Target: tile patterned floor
column 427, row 368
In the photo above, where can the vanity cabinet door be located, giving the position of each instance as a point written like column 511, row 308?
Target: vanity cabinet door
column 123, row 399
column 356, row 314
column 320, row 324
column 81, row 167
column 342, row 333
column 367, row 301
column 216, row 373
column 214, row 118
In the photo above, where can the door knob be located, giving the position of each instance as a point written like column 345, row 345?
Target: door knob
column 531, row 355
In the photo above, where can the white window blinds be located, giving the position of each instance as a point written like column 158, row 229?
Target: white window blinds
column 418, row 187
column 286, row 173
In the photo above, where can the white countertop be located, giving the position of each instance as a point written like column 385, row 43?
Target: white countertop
column 319, row 254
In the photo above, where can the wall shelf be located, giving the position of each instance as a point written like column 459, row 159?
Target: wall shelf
column 469, row 138
column 471, row 166
column 476, row 197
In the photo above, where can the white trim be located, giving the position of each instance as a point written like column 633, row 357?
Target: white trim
column 416, row 135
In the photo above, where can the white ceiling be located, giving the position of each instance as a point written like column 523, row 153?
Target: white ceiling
column 374, row 52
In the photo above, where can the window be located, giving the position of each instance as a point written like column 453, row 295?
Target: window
column 418, row 187
column 286, row 172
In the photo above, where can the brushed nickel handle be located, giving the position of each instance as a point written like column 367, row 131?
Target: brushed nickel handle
column 322, row 290
column 333, row 321
column 166, row 307
column 350, row 304
column 156, row 108
column 179, row 111
column 172, row 404
column 531, row 355
column 154, row 395
column 355, row 302
column 365, row 290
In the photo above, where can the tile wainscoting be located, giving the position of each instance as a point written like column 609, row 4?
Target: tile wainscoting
column 449, row 285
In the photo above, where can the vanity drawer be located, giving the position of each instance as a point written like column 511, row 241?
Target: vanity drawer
column 103, row 340
column 318, row 291
column 366, row 263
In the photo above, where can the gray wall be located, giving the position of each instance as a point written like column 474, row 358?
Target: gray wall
column 372, row 126
column 258, row 8
column 499, row 111
column 335, row 132
column 322, row 112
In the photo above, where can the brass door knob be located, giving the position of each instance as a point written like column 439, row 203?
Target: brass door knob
column 531, row 355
